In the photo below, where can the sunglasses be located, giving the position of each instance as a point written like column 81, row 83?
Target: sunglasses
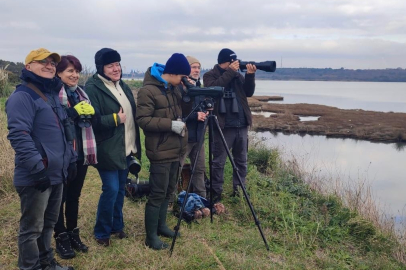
column 45, row 62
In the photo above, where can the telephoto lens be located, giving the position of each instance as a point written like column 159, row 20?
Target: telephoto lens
column 268, row 66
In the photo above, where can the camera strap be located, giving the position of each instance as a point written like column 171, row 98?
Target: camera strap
column 48, row 101
column 39, row 92
column 36, row 90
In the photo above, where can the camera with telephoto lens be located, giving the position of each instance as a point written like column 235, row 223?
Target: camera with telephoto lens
column 135, row 189
column 268, row 66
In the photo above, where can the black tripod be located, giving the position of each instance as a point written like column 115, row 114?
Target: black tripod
column 210, row 121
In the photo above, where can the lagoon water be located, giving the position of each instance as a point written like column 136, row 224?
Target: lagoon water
column 372, row 96
column 381, row 165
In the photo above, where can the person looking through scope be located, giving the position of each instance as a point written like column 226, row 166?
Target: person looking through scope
column 234, row 117
column 195, row 127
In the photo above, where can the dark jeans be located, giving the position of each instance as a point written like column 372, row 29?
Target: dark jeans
column 109, row 216
column 162, row 182
column 39, row 213
column 70, row 199
column 237, row 142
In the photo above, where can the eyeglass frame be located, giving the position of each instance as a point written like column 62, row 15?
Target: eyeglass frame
column 45, row 63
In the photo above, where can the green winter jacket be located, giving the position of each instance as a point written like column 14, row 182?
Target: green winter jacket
column 157, row 107
column 110, row 138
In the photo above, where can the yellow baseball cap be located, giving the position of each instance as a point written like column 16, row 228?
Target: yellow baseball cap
column 41, row 54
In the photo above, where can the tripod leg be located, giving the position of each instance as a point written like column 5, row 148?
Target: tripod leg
column 182, row 209
column 241, row 183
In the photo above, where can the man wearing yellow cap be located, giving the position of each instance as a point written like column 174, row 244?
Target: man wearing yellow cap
column 40, row 133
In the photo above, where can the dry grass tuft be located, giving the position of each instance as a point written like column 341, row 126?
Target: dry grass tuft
column 6, row 157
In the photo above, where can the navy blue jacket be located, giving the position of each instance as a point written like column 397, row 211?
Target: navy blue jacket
column 36, row 131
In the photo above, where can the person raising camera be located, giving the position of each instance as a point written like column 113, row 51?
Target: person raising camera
column 234, row 117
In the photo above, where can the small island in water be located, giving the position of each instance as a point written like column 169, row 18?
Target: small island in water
column 314, row 119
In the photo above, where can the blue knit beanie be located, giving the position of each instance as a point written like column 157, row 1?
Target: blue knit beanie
column 226, row 55
column 177, row 64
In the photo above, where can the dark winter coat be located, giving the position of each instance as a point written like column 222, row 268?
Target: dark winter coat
column 36, row 131
column 194, row 127
column 157, row 107
column 230, row 79
column 110, row 140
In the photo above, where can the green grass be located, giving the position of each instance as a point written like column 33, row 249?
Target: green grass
column 134, row 83
column 304, row 230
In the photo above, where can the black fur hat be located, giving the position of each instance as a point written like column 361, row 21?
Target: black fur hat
column 104, row 57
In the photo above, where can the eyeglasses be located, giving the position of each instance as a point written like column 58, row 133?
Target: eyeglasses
column 45, row 62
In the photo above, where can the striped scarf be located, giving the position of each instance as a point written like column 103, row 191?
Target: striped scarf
column 88, row 139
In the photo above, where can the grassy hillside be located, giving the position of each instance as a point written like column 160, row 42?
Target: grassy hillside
column 305, row 230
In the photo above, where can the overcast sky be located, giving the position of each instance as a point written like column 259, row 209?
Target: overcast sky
column 354, row 34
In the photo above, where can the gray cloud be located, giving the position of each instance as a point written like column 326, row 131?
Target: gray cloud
column 334, row 33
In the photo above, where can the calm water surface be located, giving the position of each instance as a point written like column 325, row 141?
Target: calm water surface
column 382, row 165
column 373, row 96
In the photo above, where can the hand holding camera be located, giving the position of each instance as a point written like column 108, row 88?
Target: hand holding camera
column 235, row 65
column 251, row 69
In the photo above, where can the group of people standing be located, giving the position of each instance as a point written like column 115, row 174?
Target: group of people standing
column 58, row 128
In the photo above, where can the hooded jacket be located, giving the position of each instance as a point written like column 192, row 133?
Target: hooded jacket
column 110, row 138
column 243, row 87
column 157, row 106
column 36, row 131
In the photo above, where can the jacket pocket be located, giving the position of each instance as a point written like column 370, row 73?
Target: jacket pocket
column 110, row 152
column 163, row 137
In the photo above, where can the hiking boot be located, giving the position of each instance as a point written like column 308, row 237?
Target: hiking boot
column 76, row 242
column 120, row 234
column 151, row 226
column 54, row 265
column 63, row 246
column 105, row 242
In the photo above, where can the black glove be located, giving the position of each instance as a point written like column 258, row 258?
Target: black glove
column 72, row 171
column 41, row 180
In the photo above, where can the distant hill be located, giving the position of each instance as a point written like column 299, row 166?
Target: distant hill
column 293, row 74
column 329, row 74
